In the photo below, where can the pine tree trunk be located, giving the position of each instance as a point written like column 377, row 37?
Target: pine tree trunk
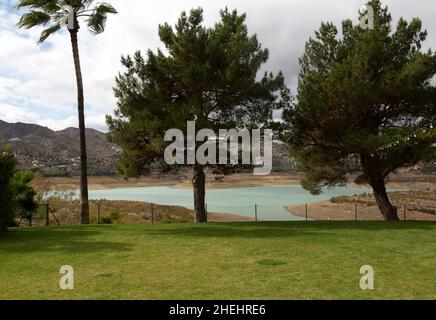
column 198, row 183
column 388, row 211
column 376, row 180
column 84, row 204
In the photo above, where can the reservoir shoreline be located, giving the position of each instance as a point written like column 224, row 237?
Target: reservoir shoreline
column 240, row 206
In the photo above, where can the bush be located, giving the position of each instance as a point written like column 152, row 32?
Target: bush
column 23, row 192
column 105, row 220
column 429, row 168
column 7, row 171
column 115, row 215
column 16, row 196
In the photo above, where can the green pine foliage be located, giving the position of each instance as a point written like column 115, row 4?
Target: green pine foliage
column 206, row 74
column 366, row 104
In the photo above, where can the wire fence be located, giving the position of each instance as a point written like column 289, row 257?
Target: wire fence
column 44, row 215
column 103, row 212
column 63, row 212
column 316, row 212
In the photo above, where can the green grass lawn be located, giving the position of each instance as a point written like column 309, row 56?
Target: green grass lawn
column 286, row 260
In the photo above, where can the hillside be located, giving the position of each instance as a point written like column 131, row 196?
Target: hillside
column 57, row 152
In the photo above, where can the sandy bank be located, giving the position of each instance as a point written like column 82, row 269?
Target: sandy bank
column 412, row 205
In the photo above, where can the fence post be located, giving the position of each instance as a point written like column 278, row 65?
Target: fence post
column 98, row 213
column 152, row 214
column 355, row 211
column 47, row 217
column 307, row 213
column 255, row 212
column 405, row 212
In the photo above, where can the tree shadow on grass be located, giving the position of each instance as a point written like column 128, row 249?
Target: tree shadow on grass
column 287, row 229
column 59, row 239
column 91, row 239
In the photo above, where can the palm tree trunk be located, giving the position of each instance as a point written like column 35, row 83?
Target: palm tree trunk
column 84, row 204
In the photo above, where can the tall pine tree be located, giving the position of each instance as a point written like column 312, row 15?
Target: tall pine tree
column 208, row 75
column 365, row 104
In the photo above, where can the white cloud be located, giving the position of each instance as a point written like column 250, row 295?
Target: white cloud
column 16, row 114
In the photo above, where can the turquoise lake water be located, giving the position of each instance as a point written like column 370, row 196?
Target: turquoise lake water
column 271, row 200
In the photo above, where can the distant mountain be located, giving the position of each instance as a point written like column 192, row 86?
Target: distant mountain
column 57, row 152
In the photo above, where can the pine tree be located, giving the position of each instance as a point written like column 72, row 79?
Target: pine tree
column 209, row 75
column 365, row 104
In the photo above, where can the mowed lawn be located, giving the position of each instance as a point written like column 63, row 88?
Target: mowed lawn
column 280, row 260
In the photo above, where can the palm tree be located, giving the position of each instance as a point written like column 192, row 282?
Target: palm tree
column 56, row 15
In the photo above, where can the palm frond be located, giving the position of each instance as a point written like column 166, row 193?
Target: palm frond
column 55, row 13
column 48, row 32
column 34, row 18
column 47, row 6
column 97, row 20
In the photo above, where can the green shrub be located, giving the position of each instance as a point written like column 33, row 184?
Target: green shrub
column 7, row 171
column 105, row 220
column 16, row 196
column 115, row 214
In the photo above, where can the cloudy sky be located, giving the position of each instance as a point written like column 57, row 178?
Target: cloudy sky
column 37, row 83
